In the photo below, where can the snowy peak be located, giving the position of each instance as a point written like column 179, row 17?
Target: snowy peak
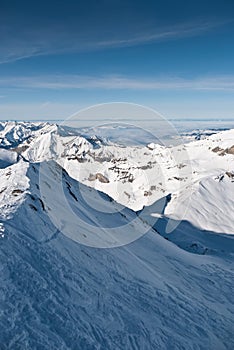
column 12, row 134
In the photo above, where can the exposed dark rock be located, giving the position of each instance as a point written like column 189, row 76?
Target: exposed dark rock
column 16, row 192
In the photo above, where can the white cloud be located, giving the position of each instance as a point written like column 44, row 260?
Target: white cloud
column 31, row 43
column 65, row 82
column 176, row 32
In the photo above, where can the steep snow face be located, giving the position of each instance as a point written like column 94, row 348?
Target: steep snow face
column 208, row 205
column 59, row 294
column 208, row 201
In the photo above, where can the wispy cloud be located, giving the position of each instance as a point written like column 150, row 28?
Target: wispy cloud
column 172, row 33
column 65, row 82
column 31, row 43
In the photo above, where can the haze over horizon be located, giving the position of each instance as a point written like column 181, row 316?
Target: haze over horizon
column 57, row 58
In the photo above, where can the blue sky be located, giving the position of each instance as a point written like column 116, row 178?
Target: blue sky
column 58, row 57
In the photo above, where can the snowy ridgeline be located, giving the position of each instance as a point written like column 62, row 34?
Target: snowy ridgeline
column 59, row 290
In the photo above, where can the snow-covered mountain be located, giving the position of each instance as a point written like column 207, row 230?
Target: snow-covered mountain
column 59, row 291
column 197, row 175
column 200, row 134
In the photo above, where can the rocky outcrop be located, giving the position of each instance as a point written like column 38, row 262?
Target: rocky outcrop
column 98, row 176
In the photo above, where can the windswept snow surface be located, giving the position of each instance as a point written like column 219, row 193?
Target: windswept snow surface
column 58, row 291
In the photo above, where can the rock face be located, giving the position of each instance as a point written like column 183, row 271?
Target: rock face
column 217, row 149
column 222, row 152
column 230, row 150
column 99, row 177
column 230, row 174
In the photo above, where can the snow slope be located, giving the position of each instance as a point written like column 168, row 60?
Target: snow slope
column 58, row 294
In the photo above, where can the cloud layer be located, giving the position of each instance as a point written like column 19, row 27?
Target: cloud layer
column 65, row 82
